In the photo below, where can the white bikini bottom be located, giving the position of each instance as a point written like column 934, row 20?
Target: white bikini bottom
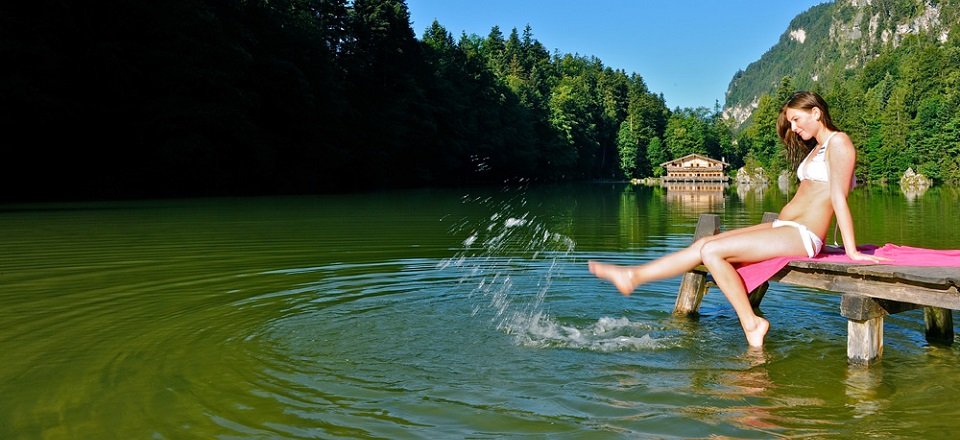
column 811, row 242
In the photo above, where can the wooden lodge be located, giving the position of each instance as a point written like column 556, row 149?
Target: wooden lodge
column 694, row 168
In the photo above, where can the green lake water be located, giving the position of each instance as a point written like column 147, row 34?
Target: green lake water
column 463, row 313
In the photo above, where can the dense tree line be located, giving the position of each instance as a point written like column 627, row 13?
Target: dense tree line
column 202, row 97
column 902, row 110
column 898, row 96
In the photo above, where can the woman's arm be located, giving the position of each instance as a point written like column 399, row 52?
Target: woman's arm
column 842, row 158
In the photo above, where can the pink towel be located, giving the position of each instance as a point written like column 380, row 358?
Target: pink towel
column 755, row 274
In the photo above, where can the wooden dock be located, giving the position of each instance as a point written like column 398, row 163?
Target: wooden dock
column 868, row 293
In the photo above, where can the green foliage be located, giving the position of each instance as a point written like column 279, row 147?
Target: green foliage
column 573, row 112
column 761, row 136
column 721, row 144
column 899, row 101
column 751, row 164
column 628, row 149
column 656, row 155
column 194, row 97
column 686, row 132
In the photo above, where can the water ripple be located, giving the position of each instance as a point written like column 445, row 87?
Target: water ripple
column 464, row 317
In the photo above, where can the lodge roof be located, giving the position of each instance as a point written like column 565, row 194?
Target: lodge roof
column 680, row 160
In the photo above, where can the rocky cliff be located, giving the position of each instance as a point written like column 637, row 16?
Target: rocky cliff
column 828, row 40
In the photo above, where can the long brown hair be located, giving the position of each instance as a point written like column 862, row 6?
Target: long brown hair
column 797, row 148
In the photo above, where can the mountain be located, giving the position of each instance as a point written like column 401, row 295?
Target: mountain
column 832, row 41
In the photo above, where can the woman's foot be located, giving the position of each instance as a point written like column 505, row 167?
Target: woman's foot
column 758, row 331
column 622, row 277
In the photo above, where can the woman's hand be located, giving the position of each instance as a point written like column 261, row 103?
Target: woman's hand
column 858, row 256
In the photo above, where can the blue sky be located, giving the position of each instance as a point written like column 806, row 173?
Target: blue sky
column 686, row 49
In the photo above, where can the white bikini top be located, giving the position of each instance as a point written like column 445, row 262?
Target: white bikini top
column 815, row 168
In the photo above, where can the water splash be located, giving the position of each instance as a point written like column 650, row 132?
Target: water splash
column 512, row 253
column 607, row 334
column 506, row 256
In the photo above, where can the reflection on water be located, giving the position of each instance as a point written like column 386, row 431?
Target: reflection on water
column 696, row 196
column 746, row 189
column 865, row 391
column 912, row 192
column 746, row 396
column 785, row 182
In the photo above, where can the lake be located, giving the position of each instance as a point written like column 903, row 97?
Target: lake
column 438, row 314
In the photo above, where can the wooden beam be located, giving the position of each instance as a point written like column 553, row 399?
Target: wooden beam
column 865, row 326
column 757, row 295
column 692, row 289
column 925, row 276
column 939, row 325
column 694, row 284
column 933, row 276
column 945, row 297
column 769, row 217
column 864, row 341
column 862, row 308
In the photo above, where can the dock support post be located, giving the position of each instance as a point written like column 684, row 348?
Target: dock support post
column 939, row 325
column 865, row 325
column 757, row 295
column 864, row 328
column 692, row 288
column 864, row 341
column 694, row 283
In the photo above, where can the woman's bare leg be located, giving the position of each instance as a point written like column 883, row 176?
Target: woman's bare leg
column 758, row 245
column 627, row 278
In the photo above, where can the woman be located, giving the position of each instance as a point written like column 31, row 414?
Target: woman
column 826, row 176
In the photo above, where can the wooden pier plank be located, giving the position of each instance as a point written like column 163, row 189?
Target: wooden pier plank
column 934, row 275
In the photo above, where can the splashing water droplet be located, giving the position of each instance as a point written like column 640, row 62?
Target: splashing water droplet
column 511, row 260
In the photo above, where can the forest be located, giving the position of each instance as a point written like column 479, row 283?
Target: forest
column 116, row 99
column 215, row 97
